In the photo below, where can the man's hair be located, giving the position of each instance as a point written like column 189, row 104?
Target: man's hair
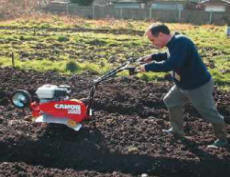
column 157, row 28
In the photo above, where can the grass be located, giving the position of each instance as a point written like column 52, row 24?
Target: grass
column 59, row 66
column 50, row 42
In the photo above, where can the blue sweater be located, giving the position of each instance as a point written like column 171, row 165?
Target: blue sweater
column 188, row 69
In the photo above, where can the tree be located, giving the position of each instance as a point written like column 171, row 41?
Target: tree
column 147, row 2
column 15, row 8
column 82, row 2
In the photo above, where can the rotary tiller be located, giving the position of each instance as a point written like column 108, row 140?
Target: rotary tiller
column 52, row 103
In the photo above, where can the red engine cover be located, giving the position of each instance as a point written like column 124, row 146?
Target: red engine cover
column 72, row 109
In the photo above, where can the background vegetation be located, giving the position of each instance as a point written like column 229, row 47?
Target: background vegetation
column 50, row 43
column 16, row 8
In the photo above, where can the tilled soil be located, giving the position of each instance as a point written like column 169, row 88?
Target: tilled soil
column 123, row 138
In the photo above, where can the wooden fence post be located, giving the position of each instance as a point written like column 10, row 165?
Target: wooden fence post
column 121, row 13
column 93, row 11
column 34, row 31
column 150, row 12
column 67, row 9
column 179, row 15
column 210, row 17
column 12, row 56
column 228, row 31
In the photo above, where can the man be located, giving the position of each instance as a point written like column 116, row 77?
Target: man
column 193, row 82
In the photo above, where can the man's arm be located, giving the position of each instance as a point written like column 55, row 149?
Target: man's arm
column 175, row 60
column 154, row 57
column 159, row 56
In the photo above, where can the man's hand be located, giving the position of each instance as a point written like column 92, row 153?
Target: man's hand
column 146, row 59
column 141, row 68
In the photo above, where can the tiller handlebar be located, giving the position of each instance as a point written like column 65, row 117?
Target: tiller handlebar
column 122, row 67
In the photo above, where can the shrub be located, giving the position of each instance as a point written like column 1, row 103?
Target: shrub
column 72, row 66
column 62, row 38
column 82, row 2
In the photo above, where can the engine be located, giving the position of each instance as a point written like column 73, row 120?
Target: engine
column 50, row 92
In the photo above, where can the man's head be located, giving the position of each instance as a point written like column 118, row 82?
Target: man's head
column 158, row 34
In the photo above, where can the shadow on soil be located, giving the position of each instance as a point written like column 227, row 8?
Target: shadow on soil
column 86, row 150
